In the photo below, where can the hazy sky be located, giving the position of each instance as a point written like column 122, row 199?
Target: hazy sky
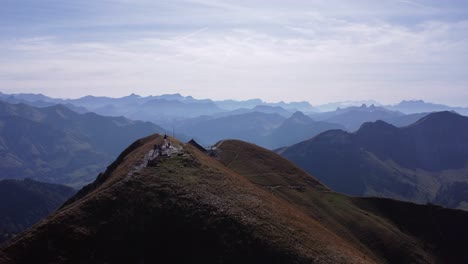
column 312, row 50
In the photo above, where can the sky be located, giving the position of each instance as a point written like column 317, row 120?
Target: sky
column 317, row 51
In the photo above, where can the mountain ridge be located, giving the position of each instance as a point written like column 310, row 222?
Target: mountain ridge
column 417, row 162
column 245, row 203
column 55, row 144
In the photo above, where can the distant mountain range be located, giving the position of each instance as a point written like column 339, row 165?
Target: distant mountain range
column 25, row 202
column 404, row 120
column 186, row 115
column 91, row 103
column 235, row 202
column 405, row 106
column 55, row 144
column 423, row 162
column 329, row 107
column 157, row 108
column 296, row 128
column 240, row 204
column 34, row 101
column 270, row 130
column 252, row 127
column 353, row 117
column 419, row 106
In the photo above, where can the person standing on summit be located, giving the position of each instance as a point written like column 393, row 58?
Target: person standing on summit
column 166, row 142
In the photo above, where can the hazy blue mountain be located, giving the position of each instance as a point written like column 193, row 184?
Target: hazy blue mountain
column 259, row 108
column 270, row 130
column 252, row 127
column 95, row 103
column 29, row 97
column 272, row 110
column 24, row 202
column 181, row 98
column 353, row 117
column 405, row 120
column 297, row 128
column 422, row 162
column 297, row 106
column 234, row 104
column 55, row 144
column 160, row 107
column 150, row 108
column 40, row 103
column 165, row 107
column 419, row 106
column 329, row 107
column 292, row 106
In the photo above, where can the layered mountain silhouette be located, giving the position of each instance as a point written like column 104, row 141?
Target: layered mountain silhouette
column 269, row 130
column 161, row 108
column 259, row 108
column 242, row 204
column 423, row 162
column 296, row 128
column 25, row 202
column 420, row 106
column 353, row 117
column 40, row 103
column 405, row 106
column 183, row 113
column 332, row 106
column 55, row 144
column 252, row 127
column 405, row 120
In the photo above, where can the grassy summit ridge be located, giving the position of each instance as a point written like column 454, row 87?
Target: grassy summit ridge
column 245, row 204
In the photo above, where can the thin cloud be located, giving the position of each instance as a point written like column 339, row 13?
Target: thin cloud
column 413, row 3
column 313, row 50
column 191, row 34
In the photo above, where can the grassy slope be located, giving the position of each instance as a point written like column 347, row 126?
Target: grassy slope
column 371, row 233
column 249, row 206
column 189, row 204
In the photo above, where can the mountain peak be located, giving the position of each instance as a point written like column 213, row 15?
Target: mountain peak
column 133, row 95
column 443, row 118
column 298, row 114
column 300, row 117
column 372, row 127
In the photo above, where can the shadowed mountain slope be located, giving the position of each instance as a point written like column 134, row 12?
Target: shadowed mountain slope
column 25, row 202
column 420, row 162
column 246, row 205
column 55, row 144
